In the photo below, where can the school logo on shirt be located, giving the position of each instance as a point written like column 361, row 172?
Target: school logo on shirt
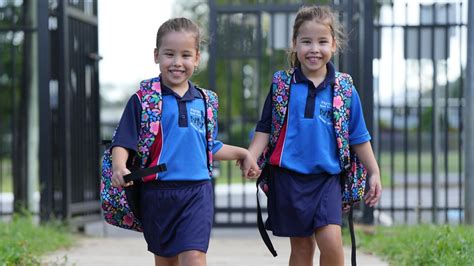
column 197, row 119
column 325, row 112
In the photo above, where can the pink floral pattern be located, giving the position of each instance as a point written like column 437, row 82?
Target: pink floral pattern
column 354, row 173
column 280, row 97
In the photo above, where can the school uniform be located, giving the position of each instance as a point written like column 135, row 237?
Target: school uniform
column 304, row 184
column 177, row 209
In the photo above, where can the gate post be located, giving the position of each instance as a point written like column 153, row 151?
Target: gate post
column 366, row 85
column 469, row 122
column 45, row 151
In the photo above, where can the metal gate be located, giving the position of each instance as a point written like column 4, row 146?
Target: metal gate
column 69, row 109
column 419, row 66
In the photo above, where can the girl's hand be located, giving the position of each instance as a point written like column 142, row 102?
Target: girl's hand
column 373, row 195
column 249, row 167
column 117, row 178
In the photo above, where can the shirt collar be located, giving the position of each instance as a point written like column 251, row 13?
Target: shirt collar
column 299, row 77
column 191, row 93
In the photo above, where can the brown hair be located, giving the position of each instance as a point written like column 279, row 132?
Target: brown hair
column 178, row 24
column 320, row 14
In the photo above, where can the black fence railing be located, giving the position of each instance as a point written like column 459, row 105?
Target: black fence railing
column 49, row 106
column 418, row 72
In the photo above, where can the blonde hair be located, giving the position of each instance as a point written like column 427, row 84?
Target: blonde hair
column 178, row 24
column 320, row 14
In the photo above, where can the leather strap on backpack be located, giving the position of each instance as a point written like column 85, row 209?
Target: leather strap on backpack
column 261, row 226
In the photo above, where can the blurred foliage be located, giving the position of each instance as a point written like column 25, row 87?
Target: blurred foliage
column 11, row 66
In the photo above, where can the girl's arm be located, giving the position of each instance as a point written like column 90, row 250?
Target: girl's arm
column 119, row 166
column 249, row 166
column 367, row 158
column 259, row 143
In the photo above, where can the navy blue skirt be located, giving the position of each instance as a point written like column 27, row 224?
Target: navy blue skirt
column 177, row 216
column 298, row 204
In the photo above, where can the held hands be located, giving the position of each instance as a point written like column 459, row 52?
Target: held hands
column 117, row 178
column 249, row 167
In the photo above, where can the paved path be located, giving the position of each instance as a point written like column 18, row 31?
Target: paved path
column 233, row 247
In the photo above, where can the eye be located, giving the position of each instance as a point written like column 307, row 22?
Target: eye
column 169, row 54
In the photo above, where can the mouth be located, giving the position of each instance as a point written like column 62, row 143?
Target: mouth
column 177, row 72
column 313, row 59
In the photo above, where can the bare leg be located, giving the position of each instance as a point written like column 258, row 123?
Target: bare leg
column 329, row 241
column 192, row 258
column 165, row 261
column 302, row 251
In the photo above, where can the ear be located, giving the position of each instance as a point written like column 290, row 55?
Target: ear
column 198, row 59
column 155, row 53
column 334, row 46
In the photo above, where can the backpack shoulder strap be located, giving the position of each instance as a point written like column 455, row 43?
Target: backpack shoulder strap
column 151, row 102
column 341, row 113
column 281, row 83
column 212, row 105
column 341, row 109
column 280, row 98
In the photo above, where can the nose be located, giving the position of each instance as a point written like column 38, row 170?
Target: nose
column 314, row 48
column 177, row 61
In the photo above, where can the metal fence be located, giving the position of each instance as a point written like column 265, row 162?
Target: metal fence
column 69, row 157
column 419, row 61
column 407, row 58
column 49, row 109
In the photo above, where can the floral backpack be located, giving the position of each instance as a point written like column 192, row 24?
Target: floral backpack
column 353, row 177
column 120, row 205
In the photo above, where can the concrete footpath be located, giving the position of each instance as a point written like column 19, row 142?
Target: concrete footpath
column 107, row 245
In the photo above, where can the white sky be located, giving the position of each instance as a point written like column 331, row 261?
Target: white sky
column 127, row 32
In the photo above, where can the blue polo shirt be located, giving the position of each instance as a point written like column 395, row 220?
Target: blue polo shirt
column 181, row 141
column 308, row 139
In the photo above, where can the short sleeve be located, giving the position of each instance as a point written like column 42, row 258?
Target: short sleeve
column 128, row 130
column 217, row 145
column 265, row 123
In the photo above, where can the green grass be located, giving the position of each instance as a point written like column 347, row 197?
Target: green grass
column 5, row 175
column 419, row 245
column 23, row 242
column 425, row 162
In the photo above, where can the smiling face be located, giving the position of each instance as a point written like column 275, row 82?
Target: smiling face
column 314, row 46
column 178, row 57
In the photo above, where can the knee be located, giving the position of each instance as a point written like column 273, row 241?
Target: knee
column 329, row 240
column 192, row 257
column 331, row 246
column 303, row 246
